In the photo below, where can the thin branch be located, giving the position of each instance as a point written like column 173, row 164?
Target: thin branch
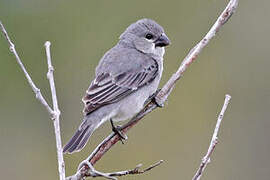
column 94, row 173
column 162, row 96
column 55, row 113
column 36, row 90
column 136, row 170
column 56, row 120
column 214, row 141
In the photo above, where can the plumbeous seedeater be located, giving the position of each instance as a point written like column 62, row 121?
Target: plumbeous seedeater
column 126, row 76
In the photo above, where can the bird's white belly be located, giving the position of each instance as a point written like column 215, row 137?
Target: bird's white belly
column 132, row 105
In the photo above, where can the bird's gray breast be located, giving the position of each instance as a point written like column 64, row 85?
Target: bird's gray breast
column 132, row 104
column 120, row 60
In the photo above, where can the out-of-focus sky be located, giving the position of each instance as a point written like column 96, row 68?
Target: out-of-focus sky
column 236, row 62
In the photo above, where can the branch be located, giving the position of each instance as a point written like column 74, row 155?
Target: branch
column 56, row 121
column 36, row 90
column 55, row 113
column 94, row 173
column 162, row 96
column 214, row 141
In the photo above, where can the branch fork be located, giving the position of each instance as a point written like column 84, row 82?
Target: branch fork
column 88, row 170
column 53, row 113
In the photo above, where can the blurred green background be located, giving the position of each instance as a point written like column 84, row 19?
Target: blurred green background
column 235, row 62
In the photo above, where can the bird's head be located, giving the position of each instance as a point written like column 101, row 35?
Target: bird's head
column 146, row 36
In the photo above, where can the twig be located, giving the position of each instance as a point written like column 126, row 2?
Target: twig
column 162, row 96
column 94, row 173
column 56, row 121
column 214, row 141
column 36, row 90
column 136, row 170
column 55, row 113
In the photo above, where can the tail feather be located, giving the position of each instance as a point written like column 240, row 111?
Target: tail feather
column 72, row 140
column 75, row 143
column 78, row 140
column 84, row 140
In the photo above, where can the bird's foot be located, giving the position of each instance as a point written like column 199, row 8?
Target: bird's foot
column 117, row 130
column 153, row 99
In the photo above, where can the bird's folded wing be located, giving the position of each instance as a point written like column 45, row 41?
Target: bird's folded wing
column 107, row 89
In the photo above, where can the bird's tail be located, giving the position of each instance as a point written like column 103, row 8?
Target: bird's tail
column 79, row 139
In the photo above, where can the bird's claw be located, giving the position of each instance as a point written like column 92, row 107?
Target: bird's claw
column 117, row 130
column 153, row 99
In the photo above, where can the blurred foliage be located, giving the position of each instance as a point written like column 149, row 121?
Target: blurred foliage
column 235, row 62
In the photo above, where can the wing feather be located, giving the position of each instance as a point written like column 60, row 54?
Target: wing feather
column 107, row 89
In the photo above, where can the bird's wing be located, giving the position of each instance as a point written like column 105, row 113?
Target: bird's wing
column 106, row 88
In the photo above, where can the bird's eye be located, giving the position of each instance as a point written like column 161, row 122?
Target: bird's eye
column 148, row 36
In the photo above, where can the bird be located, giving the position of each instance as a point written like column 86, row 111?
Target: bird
column 126, row 76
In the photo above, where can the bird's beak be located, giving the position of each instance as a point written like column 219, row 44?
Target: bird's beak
column 162, row 41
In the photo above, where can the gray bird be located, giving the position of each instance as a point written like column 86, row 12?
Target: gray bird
column 126, row 76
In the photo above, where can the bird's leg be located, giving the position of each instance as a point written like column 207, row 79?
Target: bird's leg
column 152, row 98
column 117, row 130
